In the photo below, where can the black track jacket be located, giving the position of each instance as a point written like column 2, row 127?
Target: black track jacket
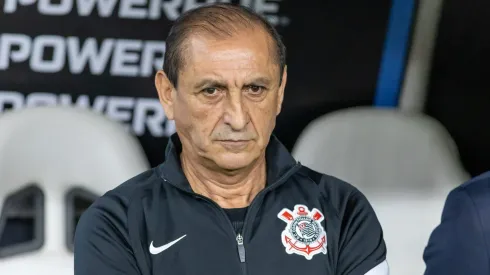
column 303, row 222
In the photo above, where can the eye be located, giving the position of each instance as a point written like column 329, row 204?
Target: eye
column 210, row 91
column 255, row 89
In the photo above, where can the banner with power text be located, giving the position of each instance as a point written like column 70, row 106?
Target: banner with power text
column 103, row 55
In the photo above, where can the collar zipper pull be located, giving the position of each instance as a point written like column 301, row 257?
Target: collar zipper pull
column 241, row 248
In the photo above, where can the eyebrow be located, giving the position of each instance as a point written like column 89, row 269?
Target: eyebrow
column 209, row 82
column 263, row 81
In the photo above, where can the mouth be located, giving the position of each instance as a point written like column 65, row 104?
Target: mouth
column 234, row 144
column 232, row 141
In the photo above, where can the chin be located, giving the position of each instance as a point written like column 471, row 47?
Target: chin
column 233, row 161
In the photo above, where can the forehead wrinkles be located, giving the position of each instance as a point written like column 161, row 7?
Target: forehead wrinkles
column 238, row 72
column 199, row 49
column 230, row 60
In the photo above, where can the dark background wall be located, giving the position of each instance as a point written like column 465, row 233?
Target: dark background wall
column 459, row 94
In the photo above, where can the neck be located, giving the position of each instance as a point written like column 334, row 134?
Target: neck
column 228, row 190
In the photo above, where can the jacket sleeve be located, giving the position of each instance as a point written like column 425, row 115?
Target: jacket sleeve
column 457, row 245
column 362, row 248
column 101, row 241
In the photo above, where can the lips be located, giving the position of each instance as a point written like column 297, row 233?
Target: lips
column 234, row 144
column 234, row 141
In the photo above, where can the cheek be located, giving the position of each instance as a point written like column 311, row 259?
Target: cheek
column 202, row 118
column 264, row 117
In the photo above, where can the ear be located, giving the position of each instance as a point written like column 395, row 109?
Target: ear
column 280, row 94
column 165, row 93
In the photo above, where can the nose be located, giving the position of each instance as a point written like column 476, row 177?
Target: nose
column 236, row 114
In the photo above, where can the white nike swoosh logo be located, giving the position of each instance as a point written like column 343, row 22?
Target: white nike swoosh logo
column 160, row 249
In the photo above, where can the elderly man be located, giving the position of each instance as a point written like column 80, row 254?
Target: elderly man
column 229, row 198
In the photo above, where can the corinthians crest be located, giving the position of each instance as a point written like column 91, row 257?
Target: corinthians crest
column 304, row 234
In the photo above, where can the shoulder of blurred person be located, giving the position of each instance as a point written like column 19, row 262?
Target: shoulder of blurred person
column 460, row 244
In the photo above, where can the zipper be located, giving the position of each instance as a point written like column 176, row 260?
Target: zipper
column 241, row 253
column 241, row 248
column 240, row 236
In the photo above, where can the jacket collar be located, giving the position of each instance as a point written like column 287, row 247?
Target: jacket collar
column 278, row 161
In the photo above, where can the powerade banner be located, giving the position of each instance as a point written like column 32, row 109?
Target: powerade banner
column 103, row 54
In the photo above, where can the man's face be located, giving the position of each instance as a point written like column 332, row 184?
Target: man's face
column 229, row 94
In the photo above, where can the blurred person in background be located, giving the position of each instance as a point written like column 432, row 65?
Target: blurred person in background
column 461, row 243
column 229, row 198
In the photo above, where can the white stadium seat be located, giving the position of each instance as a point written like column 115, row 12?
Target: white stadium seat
column 60, row 149
column 405, row 165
